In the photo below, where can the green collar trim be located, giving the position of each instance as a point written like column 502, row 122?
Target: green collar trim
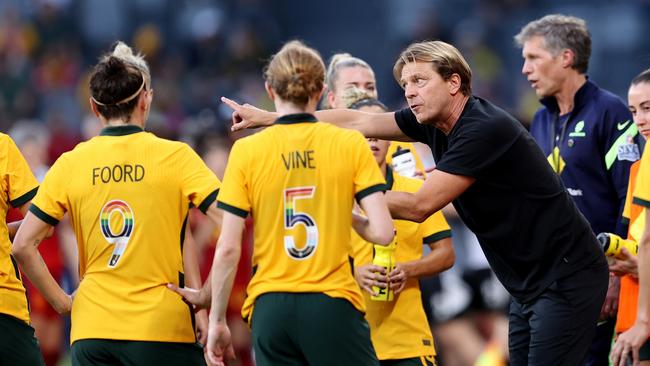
column 389, row 178
column 120, row 130
column 296, row 118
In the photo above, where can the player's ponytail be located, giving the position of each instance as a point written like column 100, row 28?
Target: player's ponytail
column 116, row 84
column 296, row 73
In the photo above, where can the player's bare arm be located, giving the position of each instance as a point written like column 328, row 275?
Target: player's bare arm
column 377, row 227
column 440, row 258
column 25, row 249
column 224, row 268
column 196, row 295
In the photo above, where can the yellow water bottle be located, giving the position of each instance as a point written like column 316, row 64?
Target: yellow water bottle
column 384, row 256
column 612, row 244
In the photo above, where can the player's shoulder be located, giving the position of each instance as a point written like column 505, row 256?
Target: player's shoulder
column 345, row 135
column 605, row 100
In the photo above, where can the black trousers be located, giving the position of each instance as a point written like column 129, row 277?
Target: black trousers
column 558, row 326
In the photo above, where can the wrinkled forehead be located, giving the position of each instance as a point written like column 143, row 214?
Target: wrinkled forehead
column 413, row 68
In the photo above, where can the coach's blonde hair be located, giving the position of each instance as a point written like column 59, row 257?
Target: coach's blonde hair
column 296, row 73
column 446, row 60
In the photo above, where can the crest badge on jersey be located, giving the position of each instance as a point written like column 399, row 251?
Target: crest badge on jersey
column 628, row 151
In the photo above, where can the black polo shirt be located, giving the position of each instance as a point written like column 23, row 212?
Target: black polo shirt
column 528, row 226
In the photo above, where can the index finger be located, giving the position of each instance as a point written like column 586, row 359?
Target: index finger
column 231, row 103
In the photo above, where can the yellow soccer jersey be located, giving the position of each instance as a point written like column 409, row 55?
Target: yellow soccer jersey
column 18, row 187
column 298, row 179
column 128, row 193
column 634, row 214
column 642, row 189
column 404, row 145
column 399, row 328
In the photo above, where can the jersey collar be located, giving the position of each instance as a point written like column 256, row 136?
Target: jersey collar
column 389, row 178
column 289, row 119
column 120, row 130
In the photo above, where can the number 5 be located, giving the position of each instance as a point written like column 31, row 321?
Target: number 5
column 293, row 218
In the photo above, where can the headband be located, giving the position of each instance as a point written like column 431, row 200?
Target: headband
column 127, row 99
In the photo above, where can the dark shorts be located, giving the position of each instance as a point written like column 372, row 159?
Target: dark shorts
column 105, row 352
column 18, row 346
column 310, row 329
column 415, row 361
column 558, row 326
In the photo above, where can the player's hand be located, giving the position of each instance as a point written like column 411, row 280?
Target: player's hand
column 64, row 304
column 371, row 275
column 219, row 346
column 625, row 264
column 419, row 174
column 398, row 277
column 628, row 344
column 610, row 306
column 248, row 116
column 200, row 299
column 202, row 326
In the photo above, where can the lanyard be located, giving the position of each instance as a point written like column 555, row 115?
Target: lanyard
column 556, row 140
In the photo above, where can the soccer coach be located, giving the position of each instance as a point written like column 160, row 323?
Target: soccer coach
column 538, row 244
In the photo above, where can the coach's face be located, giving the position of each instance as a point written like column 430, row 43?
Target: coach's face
column 543, row 69
column 427, row 94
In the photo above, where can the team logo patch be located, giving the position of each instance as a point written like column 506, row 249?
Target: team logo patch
column 578, row 131
column 621, row 125
column 629, row 152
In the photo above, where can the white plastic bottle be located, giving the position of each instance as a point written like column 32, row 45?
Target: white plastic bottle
column 404, row 162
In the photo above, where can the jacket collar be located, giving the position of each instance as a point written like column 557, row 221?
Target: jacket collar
column 583, row 95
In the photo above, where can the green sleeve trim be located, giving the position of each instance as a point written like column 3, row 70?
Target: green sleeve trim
column 370, row 190
column 611, row 155
column 232, row 209
column 24, row 198
column 208, row 201
column 42, row 215
column 625, row 220
column 641, row 202
column 437, row 236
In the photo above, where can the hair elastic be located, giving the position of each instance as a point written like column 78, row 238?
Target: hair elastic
column 127, row 99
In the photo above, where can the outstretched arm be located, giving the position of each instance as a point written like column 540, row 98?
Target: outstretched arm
column 378, row 125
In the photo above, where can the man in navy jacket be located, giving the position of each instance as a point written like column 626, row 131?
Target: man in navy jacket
column 586, row 133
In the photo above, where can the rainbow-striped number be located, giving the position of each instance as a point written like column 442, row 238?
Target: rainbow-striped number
column 293, row 218
column 120, row 240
